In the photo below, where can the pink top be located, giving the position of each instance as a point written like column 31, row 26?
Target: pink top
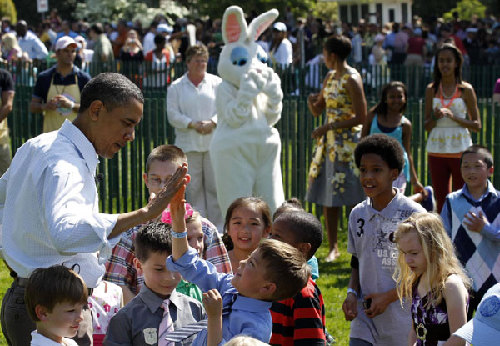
column 497, row 87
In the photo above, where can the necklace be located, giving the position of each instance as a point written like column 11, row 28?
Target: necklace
column 451, row 99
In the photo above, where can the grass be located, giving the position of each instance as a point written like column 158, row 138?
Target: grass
column 333, row 281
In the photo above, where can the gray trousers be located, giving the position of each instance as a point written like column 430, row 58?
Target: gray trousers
column 17, row 324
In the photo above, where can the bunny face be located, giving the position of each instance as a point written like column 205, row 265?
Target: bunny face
column 241, row 53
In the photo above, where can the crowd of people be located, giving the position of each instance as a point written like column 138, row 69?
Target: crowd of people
column 412, row 44
column 180, row 271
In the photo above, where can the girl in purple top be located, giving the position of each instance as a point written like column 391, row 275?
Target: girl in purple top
column 429, row 272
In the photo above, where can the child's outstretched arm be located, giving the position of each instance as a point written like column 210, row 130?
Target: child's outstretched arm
column 178, row 209
column 455, row 294
column 212, row 301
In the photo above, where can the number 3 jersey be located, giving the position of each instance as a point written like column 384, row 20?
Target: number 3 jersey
column 369, row 239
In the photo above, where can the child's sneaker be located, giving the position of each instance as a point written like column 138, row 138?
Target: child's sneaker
column 429, row 202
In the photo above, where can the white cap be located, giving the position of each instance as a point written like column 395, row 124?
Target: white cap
column 164, row 28
column 484, row 328
column 64, row 42
column 280, row 26
column 79, row 40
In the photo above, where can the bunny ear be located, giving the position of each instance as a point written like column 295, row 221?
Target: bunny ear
column 261, row 23
column 234, row 26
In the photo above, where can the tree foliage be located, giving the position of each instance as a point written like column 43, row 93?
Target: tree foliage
column 65, row 8
column 7, row 9
column 432, row 9
column 466, row 9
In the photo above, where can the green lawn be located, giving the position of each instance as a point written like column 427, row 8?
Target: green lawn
column 332, row 282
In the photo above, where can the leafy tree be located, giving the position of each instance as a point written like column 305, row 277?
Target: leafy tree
column 432, row 9
column 7, row 9
column 65, row 8
column 466, row 9
column 326, row 10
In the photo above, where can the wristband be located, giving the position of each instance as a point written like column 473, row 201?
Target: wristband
column 72, row 105
column 179, row 235
column 350, row 290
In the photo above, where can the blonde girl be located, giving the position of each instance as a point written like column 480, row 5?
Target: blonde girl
column 248, row 220
column 429, row 273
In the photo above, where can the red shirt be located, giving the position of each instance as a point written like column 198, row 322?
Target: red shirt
column 300, row 320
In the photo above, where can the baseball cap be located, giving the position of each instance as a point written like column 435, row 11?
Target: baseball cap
column 65, row 42
column 279, row 26
column 484, row 328
column 164, row 28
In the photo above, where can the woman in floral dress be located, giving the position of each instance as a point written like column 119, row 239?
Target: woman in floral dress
column 333, row 175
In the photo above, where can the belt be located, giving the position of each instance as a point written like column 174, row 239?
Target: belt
column 23, row 282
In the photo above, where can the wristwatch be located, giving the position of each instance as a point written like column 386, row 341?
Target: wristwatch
column 350, row 290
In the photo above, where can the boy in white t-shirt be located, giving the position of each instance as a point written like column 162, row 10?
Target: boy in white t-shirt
column 55, row 298
column 371, row 303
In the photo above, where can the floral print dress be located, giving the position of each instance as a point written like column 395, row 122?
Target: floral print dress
column 333, row 175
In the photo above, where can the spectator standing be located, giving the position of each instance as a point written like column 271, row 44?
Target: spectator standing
column 192, row 112
column 159, row 59
column 10, row 48
column 280, row 50
column 121, row 37
column 103, row 57
column 29, row 42
column 148, row 42
column 66, row 31
column 7, row 94
column 57, row 90
column 400, row 46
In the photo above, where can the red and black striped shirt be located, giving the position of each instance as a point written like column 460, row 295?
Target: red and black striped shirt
column 300, row 320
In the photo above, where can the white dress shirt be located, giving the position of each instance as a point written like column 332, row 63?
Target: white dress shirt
column 40, row 340
column 32, row 45
column 49, row 207
column 283, row 55
column 189, row 103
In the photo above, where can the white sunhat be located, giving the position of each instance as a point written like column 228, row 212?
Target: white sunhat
column 164, row 28
column 484, row 328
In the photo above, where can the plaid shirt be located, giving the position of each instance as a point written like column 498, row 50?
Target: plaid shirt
column 121, row 271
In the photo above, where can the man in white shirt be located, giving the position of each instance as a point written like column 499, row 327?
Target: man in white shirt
column 29, row 42
column 191, row 111
column 49, row 204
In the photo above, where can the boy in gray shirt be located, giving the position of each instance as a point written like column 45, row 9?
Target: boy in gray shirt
column 372, row 302
column 139, row 321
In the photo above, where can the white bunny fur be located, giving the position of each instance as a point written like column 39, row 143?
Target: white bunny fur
column 245, row 148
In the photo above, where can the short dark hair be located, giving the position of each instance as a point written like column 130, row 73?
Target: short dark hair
column 112, row 89
column 305, row 227
column 159, row 40
column 97, row 28
column 290, row 204
column 388, row 148
column 286, row 267
column 340, row 45
column 153, row 237
column 166, row 152
column 50, row 286
column 486, row 156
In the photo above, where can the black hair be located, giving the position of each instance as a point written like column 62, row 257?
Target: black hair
column 160, row 40
column 153, row 237
column 290, row 204
column 487, row 158
column 339, row 45
column 381, row 107
column 97, row 28
column 305, row 227
column 388, row 148
column 112, row 89
column 458, row 69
